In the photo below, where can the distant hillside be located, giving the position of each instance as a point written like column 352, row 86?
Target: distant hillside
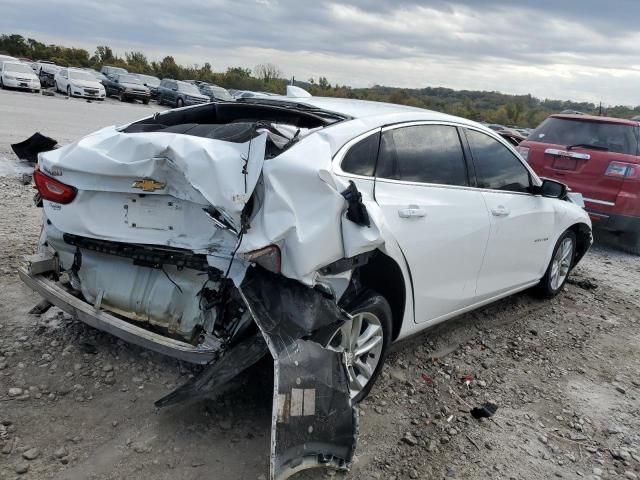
column 494, row 107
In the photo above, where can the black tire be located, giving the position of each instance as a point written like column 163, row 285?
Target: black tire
column 122, row 97
column 68, row 91
column 145, row 101
column 374, row 303
column 2, row 84
column 179, row 103
column 545, row 288
column 55, row 87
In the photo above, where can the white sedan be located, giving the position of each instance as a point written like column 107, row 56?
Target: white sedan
column 320, row 230
column 76, row 82
column 15, row 74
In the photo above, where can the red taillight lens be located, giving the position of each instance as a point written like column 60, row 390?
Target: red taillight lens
column 268, row 258
column 53, row 190
column 623, row 170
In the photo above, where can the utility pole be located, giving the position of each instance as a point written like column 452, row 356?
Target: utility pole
column 600, row 108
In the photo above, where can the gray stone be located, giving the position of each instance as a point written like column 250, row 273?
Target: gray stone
column 31, row 454
column 15, row 392
column 22, row 468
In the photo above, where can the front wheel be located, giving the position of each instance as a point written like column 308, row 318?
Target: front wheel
column 179, row 103
column 1, row 84
column 68, row 91
column 364, row 341
column 122, row 97
column 561, row 262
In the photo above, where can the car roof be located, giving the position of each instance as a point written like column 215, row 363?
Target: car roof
column 596, row 118
column 374, row 112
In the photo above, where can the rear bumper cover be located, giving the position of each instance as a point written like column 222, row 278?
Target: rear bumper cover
column 81, row 310
column 614, row 222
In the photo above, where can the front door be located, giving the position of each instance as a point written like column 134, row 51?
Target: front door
column 522, row 224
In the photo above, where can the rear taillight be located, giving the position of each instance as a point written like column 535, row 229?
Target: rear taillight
column 524, row 152
column 53, row 190
column 268, row 258
column 623, row 170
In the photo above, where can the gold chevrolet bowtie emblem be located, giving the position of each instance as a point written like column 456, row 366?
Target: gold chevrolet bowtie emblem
column 148, row 185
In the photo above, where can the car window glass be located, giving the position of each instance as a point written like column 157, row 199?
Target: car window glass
column 423, row 153
column 361, row 157
column 497, row 167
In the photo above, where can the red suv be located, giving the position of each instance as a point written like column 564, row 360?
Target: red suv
column 598, row 157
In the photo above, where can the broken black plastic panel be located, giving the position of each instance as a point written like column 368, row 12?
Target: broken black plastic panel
column 356, row 210
column 314, row 423
column 30, row 148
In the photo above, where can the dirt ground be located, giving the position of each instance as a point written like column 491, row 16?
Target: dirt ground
column 78, row 404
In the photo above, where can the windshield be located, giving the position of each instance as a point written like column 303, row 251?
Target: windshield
column 17, row 67
column 221, row 94
column 188, row 88
column 149, row 80
column 129, row 79
column 86, row 76
column 606, row 136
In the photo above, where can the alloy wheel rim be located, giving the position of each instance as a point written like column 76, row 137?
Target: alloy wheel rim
column 360, row 341
column 561, row 263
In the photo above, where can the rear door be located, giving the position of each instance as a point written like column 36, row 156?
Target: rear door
column 579, row 152
column 440, row 223
column 522, row 224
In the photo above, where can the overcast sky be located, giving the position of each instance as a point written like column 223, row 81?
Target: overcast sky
column 563, row 49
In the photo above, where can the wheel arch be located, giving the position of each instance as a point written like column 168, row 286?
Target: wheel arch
column 383, row 275
column 583, row 240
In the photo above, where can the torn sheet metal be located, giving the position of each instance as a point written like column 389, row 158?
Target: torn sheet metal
column 314, row 423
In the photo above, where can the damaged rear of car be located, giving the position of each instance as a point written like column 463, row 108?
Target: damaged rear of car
column 187, row 233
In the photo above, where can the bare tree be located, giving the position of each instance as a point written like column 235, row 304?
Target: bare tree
column 267, row 72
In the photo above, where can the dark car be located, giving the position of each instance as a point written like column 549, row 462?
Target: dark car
column 126, row 87
column 151, row 82
column 215, row 93
column 598, row 157
column 109, row 70
column 178, row 94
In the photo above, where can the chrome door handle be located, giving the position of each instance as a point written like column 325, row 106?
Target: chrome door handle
column 412, row 211
column 500, row 211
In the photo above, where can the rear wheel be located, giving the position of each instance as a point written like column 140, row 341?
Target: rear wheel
column 560, row 266
column 364, row 341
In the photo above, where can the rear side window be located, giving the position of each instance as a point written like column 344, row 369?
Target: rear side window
column 423, row 153
column 496, row 167
column 605, row 136
column 361, row 158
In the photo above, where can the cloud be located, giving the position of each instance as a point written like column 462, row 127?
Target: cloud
column 570, row 49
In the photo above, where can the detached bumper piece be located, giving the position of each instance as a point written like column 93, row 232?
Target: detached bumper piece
column 30, row 148
column 314, row 423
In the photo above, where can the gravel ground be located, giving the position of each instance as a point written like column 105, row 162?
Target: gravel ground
column 76, row 403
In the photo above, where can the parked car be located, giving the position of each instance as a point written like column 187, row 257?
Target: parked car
column 151, row 82
column 215, row 93
column 126, row 87
column 15, row 74
column 107, row 71
column 229, row 230
column 96, row 74
column 46, row 73
column 76, row 82
column 179, row 94
column 8, row 58
column 598, row 157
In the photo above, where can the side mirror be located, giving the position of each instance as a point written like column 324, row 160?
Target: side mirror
column 551, row 189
